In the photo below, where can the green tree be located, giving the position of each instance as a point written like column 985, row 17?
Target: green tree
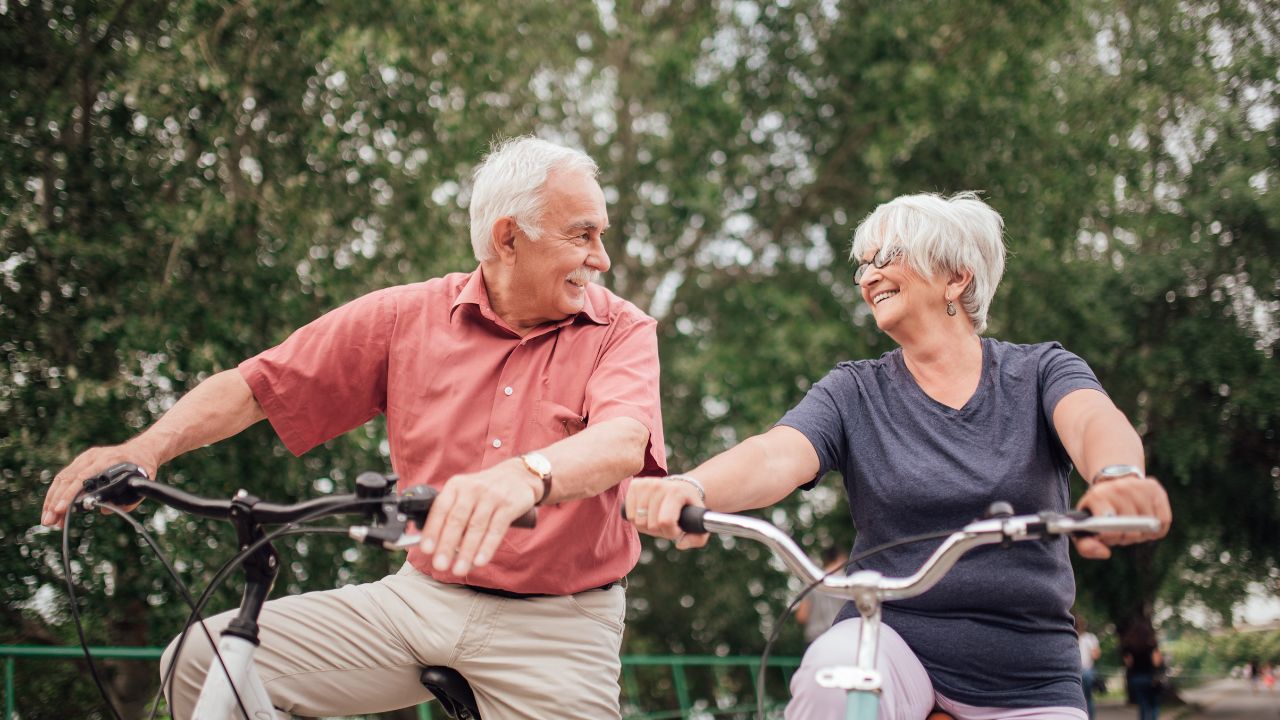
column 187, row 182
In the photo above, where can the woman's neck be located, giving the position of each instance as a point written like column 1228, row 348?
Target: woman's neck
column 946, row 366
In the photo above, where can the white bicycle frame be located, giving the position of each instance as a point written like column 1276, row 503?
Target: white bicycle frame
column 218, row 699
column 869, row 589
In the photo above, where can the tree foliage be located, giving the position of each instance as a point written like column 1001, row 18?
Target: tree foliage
column 186, row 182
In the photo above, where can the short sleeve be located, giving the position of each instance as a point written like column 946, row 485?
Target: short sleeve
column 624, row 383
column 329, row 376
column 818, row 418
column 1061, row 373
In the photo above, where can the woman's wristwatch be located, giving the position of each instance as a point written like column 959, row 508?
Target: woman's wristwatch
column 1115, row 472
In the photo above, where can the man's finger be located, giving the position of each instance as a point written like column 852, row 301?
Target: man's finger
column 489, row 545
column 478, row 526
column 455, row 524
column 435, row 520
column 56, row 499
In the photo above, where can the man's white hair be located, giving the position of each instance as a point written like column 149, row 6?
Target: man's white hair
column 509, row 183
column 944, row 235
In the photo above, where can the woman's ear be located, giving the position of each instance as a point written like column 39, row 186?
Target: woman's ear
column 503, row 239
column 960, row 280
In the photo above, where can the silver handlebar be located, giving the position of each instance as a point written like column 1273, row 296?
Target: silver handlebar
column 865, row 584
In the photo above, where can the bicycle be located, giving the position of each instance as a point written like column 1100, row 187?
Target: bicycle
column 868, row 589
column 232, row 682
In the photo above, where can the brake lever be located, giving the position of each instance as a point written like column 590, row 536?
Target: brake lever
column 380, row 537
column 111, row 486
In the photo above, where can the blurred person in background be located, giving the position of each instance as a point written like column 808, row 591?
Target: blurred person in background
column 1090, row 651
column 817, row 612
column 1144, row 672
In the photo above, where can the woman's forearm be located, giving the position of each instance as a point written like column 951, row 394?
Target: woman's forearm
column 759, row 472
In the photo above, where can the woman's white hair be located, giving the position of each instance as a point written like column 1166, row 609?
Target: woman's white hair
column 509, row 183
column 944, row 235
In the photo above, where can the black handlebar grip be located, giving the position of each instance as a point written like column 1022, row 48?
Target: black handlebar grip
column 691, row 519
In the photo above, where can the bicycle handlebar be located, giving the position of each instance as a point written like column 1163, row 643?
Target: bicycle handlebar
column 1006, row 529
column 126, row 484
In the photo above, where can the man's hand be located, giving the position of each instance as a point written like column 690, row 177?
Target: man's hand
column 89, row 463
column 1125, row 496
column 654, row 505
column 473, row 512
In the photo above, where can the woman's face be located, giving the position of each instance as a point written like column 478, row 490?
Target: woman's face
column 896, row 293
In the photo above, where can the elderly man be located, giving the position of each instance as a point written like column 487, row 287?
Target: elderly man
column 520, row 384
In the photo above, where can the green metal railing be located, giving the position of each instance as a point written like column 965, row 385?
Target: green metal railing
column 719, row 667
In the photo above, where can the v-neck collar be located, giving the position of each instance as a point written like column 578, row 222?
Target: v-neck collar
column 980, row 392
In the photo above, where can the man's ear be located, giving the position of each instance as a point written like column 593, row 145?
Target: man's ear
column 503, row 240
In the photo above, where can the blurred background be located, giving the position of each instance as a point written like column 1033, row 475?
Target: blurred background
column 185, row 182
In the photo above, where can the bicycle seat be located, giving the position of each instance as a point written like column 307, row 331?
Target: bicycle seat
column 452, row 690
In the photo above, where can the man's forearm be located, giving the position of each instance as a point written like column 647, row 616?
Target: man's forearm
column 221, row 406
column 596, row 459
column 215, row 409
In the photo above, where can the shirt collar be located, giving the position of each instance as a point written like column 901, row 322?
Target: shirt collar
column 474, row 292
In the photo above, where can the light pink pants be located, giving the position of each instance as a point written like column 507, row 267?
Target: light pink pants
column 907, row 693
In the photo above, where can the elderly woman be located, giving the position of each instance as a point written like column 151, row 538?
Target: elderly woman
column 926, row 436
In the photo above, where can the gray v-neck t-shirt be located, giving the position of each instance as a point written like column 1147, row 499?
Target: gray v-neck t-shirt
column 997, row 630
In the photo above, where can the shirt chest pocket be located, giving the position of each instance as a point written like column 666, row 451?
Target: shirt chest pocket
column 556, row 422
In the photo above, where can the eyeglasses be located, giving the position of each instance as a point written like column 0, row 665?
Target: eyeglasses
column 882, row 258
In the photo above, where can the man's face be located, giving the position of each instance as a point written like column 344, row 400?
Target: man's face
column 551, row 273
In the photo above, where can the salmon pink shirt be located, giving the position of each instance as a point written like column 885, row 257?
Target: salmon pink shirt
column 462, row 392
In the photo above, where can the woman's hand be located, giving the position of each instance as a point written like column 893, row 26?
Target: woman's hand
column 1124, row 496
column 654, row 504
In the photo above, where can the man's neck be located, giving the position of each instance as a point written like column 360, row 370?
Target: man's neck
column 500, row 288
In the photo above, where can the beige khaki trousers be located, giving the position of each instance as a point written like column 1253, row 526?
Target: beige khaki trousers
column 361, row 648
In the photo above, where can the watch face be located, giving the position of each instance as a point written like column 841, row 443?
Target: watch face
column 538, row 463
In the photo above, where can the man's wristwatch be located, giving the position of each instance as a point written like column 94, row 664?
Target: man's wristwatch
column 538, row 464
column 1115, row 472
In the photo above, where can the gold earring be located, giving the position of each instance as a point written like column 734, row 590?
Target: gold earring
column 951, row 309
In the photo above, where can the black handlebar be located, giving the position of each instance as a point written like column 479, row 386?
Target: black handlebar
column 127, row 484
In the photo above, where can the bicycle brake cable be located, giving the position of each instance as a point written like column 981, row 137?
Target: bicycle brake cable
column 75, row 611
column 186, row 594
column 234, row 564
column 777, row 629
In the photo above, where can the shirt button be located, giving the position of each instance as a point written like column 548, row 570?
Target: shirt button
column 507, row 390
column 497, row 443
